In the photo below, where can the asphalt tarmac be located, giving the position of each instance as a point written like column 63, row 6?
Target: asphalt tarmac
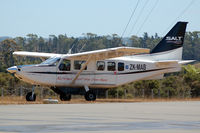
column 151, row 117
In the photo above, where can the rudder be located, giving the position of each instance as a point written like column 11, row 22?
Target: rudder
column 173, row 40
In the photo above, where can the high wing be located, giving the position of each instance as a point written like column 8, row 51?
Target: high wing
column 108, row 53
column 35, row 54
column 96, row 54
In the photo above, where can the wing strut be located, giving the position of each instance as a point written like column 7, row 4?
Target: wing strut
column 82, row 68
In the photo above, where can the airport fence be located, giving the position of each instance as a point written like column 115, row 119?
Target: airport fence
column 43, row 92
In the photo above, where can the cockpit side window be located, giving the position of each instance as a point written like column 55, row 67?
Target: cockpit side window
column 78, row 64
column 100, row 65
column 111, row 66
column 65, row 65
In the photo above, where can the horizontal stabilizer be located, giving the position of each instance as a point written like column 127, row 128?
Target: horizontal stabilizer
column 172, row 62
column 186, row 61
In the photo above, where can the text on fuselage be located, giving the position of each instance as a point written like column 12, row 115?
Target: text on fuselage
column 138, row 67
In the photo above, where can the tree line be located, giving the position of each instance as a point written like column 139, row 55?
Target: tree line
column 186, row 82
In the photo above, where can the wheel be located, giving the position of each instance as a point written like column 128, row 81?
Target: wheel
column 65, row 97
column 90, row 96
column 29, row 97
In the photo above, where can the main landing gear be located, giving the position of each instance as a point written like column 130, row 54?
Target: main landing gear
column 30, row 96
column 66, row 93
column 66, row 96
column 89, row 95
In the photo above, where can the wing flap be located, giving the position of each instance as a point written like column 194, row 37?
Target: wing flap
column 108, row 53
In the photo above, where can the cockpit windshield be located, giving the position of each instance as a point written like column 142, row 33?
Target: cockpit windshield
column 51, row 61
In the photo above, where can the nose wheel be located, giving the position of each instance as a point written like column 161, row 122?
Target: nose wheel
column 89, row 94
column 30, row 96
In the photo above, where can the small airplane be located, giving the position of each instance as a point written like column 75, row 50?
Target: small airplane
column 82, row 73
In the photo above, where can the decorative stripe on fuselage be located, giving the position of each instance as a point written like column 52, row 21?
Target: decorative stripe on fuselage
column 103, row 73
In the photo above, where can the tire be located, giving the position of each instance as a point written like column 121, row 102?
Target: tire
column 90, row 96
column 29, row 97
column 65, row 97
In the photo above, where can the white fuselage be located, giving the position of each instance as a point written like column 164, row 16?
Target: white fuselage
column 127, row 69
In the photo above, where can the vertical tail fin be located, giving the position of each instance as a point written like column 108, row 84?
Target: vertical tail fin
column 173, row 40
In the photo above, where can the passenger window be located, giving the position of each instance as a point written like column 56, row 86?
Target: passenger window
column 65, row 65
column 78, row 64
column 100, row 65
column 111, row 66
column 120, row 66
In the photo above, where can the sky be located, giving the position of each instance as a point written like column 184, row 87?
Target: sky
column 101, row 17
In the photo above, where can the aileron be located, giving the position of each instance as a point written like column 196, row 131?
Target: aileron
column 35, row 54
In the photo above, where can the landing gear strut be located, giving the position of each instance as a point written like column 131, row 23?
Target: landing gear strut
column 65, row 97
column 30, row 96
column 89, row 95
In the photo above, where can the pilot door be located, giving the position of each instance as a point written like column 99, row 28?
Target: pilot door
column 63, row 74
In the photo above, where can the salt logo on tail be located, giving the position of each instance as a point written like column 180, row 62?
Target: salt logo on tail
column 174, row 39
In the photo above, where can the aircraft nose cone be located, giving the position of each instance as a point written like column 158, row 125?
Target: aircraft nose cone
column 12, row 69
